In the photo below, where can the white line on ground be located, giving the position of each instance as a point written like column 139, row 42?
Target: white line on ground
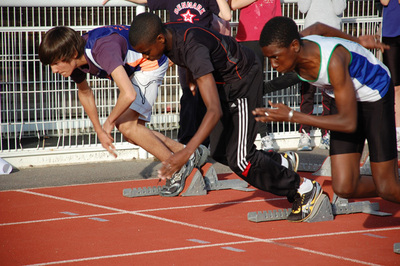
column 250, row 239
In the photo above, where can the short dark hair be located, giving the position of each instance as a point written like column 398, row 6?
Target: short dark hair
column 280, row 31
column 145, row 28
column 61, row 43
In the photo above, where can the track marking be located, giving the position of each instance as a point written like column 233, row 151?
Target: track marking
column 98, row 219
column 233, row 249
column 250, row 238
column 60, row 219
column 199, row 241
column 69, row 213
column 197, row 247
column 373, row 235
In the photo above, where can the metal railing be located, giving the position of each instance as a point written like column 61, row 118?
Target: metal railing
column 40, row 111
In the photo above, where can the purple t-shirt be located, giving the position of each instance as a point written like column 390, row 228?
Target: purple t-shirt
column 199, row 12
column 109, row 52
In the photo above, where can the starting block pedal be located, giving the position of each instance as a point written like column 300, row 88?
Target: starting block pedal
column 263, row 216
column 396, row 248
column 196, row 184
column 212, row 182
column 141, row 191
column 343, row 206
column 323, row 210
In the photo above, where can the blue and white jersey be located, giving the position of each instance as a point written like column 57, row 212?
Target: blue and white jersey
column 371, row 78
column 133, row 60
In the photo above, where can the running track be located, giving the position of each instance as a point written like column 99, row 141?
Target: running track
column 94, row 224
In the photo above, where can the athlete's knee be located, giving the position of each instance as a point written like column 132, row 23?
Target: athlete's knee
column 388, row 190
column 128, row 130
column 343, row 187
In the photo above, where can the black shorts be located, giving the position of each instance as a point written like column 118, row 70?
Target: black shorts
column 391, row 57
column 376, row 123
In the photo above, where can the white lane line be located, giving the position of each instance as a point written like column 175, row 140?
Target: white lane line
column 60, row 219
column 198, row 247
column 250, row 238
column 122, row 211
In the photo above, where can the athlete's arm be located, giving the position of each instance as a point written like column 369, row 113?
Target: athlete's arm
column 385, row 2
column 127, row 95
column 346, row 118
column 209, row 94
column 345, row 97
column 368, row 41
column 86, row 98
column 224, row 10
column 238, row 4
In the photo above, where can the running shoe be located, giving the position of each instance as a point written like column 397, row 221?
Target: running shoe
column 200, row 156
column 303, row 205
column 325, row 141
column 176, row 183
column 304, row 142
column 293, row 159
column 267, row 144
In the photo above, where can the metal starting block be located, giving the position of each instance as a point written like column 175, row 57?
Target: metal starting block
column 323, row 210
column 396, row 248
column 212, row 182
column 196, row 184
column 141, row 191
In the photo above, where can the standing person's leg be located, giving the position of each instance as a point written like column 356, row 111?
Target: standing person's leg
column 391, row 58
column 264, row 129
column 327, row 103
column 192, row 110
column 187, row 125
column 306, row 106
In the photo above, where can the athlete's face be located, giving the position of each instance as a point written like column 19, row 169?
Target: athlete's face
column 63, row 68
column 152, row 51
column 281, row 58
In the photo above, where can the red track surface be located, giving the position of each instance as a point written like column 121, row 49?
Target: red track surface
column 95, row 225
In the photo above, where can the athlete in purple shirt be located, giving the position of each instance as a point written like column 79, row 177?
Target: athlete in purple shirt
column 105, row 52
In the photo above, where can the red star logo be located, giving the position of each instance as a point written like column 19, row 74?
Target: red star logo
column 188, row 17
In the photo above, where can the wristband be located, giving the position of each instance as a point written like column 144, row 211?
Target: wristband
column 290, row 115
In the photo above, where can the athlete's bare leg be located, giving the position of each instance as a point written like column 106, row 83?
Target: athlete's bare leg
column 135, row 132
column 347, row 182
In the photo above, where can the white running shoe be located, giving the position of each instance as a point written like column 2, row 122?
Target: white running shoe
column 304, row 142
column 326, row 142
column 267, row 144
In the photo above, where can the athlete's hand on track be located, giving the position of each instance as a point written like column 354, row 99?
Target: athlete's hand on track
column 107, row 142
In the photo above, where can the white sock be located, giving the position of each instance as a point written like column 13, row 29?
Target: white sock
column 284, row 162
column 305, row 187
column 398, row 131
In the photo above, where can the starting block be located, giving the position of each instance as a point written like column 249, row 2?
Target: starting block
column 197, row 183
column 396, row 248
column 323, row 210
